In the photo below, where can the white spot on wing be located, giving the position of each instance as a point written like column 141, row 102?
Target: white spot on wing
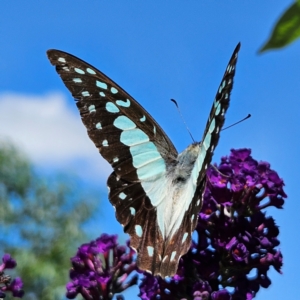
column 173, row 255
column 132, row 210
column 92, row 108
column 61, row 59
column 110, row 107
column 123, row 103
column 122, row 196
column 79, row 71
column 113, row 90
column 150, row 250
column 89, row 70
column 101, row 84
column 138, row 230
column 184, row 237
column 105, row 143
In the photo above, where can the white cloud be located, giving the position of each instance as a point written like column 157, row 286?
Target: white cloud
column 50, row 133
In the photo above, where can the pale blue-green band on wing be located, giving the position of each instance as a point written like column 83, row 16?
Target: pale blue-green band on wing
column 79, row 71
column 212, row 126
column 218, row 109
column 110, row 107
column 101, row 84
column 85, row 93
column 124, row 123
column 89, row 70
column 138, row 230
column 198, row 164
column 134, row 137
column 143, row 118
column 105, row 143
column 142, row 148
column 102, row 94
column 184, row 237
column 145, row 158
column 206, row 142
column 61, row 59
column 151, row 170
column 123, row 103
column 77, row 80
column 132, row 210
column 150, row 250
column 222, row 86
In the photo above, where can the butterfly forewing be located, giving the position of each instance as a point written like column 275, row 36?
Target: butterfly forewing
column 217, row 114
column 143, row 186
column 130, row 140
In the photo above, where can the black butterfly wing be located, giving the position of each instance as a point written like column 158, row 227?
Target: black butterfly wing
column 130, row 140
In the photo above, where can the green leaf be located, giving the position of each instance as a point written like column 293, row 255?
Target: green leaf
column 286, row 30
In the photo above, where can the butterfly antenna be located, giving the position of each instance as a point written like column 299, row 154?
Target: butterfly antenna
column 175, row 102
column 249, row 115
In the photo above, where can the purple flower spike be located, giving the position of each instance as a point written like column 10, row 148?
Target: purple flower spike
column 101, row 269
column 235, row 237
column 6, row 283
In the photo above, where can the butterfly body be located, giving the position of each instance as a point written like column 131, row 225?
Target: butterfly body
column 156, row 192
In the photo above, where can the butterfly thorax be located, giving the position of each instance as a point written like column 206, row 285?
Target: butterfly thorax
column 181, row 187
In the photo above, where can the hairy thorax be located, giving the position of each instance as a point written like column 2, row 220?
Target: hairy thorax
column 181, row 188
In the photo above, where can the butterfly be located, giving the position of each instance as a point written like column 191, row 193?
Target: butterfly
column 156, row 192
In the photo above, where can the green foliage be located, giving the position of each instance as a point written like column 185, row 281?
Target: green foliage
column 41, row 223
column 286, row 30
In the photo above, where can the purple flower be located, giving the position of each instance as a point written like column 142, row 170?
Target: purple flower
column 6, row 283
column 101, row 269
column 235, row 237
column 8, row 262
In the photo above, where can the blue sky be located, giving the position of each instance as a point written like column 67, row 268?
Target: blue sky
column 156, row 50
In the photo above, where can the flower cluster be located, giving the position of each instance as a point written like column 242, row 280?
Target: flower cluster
column 236, row 242
column 234, row 247
column 6, row 284
column 101, row 269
